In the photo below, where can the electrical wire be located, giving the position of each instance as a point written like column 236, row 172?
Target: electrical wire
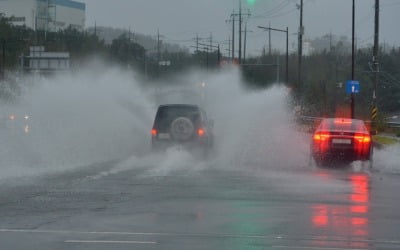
column 279, row 7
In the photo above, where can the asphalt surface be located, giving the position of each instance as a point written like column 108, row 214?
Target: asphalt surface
column 106, row 206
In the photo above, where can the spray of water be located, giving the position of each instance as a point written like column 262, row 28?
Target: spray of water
column 254, row 130
column 103, row 114
column 76, row 120
column 387, row 160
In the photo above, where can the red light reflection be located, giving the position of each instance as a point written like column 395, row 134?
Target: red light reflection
column 358, row 221
column 350, row 220
column 321, row 217
column 359, row 209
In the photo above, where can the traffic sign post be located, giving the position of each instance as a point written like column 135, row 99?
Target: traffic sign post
column 352, row 87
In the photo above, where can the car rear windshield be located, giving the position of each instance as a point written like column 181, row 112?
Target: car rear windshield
column 167, row 114
column 350, row 125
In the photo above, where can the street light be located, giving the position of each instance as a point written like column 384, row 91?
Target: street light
column 287, row 47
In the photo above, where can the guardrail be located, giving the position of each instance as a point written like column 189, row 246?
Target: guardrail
column 393, row 124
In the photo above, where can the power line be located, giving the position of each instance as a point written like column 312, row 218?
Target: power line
column 277, row 15
column 277, row 8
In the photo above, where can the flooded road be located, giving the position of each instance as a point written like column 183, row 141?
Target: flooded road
column 107, row 206
column 83, row 176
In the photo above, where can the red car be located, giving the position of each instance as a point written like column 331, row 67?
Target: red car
column 341, row 139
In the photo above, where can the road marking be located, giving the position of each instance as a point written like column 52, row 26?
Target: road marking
column 318, row 248
column 245, row 236
column 78, row 232
column 109, row 242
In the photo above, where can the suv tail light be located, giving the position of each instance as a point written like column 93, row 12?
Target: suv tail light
column 201, row 132
column 154, row 132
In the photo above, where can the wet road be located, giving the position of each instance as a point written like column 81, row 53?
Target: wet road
column 98, row 207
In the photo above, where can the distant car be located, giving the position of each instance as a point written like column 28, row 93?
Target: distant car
column 184, row 125
column 341, row 139
column 16, row 123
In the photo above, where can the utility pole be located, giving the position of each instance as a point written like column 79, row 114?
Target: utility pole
column 240, row 20
column 219, row 56
column 197, row 42
column 233, row 36
column 207, row 58
column 240, row 32
column 245, row 41
column 47, row 20
column 287, row 55
column 269, row 40
column 158, row 47
column 375, row 61
column 287, row 46
column 277, row 69
column 301, row 32
column 352, row 101
column 3, row 63
column 211, row 40
column 208, row 47
column 145, row 64
column 229, row 46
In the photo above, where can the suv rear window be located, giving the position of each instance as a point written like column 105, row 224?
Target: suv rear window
column 167, row 114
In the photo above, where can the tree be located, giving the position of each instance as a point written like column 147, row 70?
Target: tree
column 126, row 52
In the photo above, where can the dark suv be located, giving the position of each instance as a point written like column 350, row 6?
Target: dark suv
column 181, row 124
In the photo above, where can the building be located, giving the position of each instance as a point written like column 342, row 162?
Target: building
column 41, row 61
column 47, row 15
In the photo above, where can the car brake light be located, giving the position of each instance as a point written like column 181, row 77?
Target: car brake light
column 154, row 132
column 321, row 137
column 343, row 121
column 362, row 138
column 201, row 132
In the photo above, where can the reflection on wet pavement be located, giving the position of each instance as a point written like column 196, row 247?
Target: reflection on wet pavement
column 349, row 220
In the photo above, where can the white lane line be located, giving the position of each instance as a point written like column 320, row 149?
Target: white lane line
column 77, row 232
column 277, row 237
column 318, row 248
column 109, row 242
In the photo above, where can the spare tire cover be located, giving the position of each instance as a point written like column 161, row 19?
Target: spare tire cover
column 181, row 129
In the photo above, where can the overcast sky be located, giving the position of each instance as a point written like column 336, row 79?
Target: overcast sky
column 180, row 20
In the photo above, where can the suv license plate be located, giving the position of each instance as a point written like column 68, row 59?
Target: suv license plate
column 164, row 136
column 341, row 141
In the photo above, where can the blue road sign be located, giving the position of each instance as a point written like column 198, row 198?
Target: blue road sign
column 352, row 87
